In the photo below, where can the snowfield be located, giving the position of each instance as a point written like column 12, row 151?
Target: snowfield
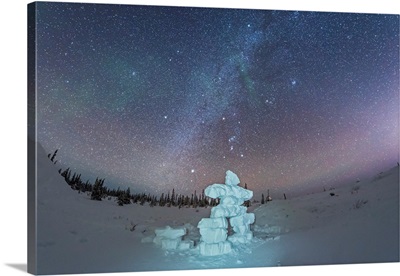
column 358, row 223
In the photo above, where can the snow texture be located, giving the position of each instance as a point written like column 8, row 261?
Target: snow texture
column 213, row 223
column 214, row 249
column 170, row 238
column 213, row 231
column 227, row 211
column 170, row 233
column 221, row 191
column 231, row 179
column 213, row 235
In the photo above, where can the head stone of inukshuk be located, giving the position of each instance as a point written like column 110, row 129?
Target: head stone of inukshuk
column 214, row 230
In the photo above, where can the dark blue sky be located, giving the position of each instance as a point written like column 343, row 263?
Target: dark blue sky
column 157, row 98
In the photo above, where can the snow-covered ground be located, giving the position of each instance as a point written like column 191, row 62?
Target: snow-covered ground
column 358, row 224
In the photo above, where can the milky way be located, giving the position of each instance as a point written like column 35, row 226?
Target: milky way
column 156, row 98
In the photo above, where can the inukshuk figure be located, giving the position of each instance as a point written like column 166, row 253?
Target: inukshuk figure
column 214, row 230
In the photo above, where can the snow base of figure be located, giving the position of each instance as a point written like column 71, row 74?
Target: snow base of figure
column 215, row 249
column 214, row 239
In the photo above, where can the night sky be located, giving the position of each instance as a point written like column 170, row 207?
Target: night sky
column 156, row 98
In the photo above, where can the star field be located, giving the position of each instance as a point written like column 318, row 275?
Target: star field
column 156, row 98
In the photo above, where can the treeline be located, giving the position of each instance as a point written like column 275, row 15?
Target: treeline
column 98, row 191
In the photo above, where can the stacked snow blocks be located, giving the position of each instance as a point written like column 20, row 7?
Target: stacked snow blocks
column 171, row 239
column 241, row 227
column 214, row 230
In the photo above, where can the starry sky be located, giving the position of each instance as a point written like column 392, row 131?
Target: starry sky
column 156, row 98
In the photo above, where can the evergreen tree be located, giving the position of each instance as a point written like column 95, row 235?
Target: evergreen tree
column 124, row 197
column 173, row 197
column 97, row 190
column 168, row 201
column 65, row 173
column 143, row 200
column 247, row 202
column 54, row 155
column 161, row 202
column 195, row 200
column 120, row 199
column 68, row 177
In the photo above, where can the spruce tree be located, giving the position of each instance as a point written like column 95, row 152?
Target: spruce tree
column 247, row 202
column 97, row 190
column 173, row 197
column 54, row 155
column 195, row 200
column 124, row 197
column 161, row 202
column 120, row 199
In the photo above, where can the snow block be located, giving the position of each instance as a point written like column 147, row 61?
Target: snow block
column 238, row 238
column 231, row 200
column 215, row 249
column 148, row 239
column 239, row 192
column 170, row 244
column 169, row 238
column 216, row 235
column 157, row 240
column 227, row 211
column 242, row 229
column 222, row 190
column 189, row 227
column 213, row 223
column 215, row 190
column 185, row 245
column 170, row 233
column 245, row 219
column 231, row 178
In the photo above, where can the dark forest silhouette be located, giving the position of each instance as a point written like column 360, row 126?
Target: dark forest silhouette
column 98, row 191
